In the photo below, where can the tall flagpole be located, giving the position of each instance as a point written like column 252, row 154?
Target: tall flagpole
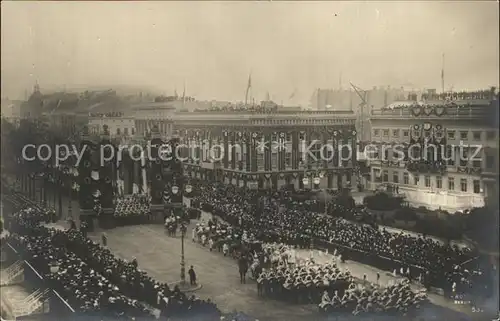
column 248, row 87
column 184, row 95
column 442, row 75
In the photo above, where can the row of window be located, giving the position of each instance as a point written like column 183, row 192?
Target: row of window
column 97, row 130
column 449, row 156
column 464, row 135
column 476, row 188
column 125, row 131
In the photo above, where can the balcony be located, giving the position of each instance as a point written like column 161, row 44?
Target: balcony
column 423, row 166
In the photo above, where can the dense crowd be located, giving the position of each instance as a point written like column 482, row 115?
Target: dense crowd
column 90, row 278
column 242, row 108
column 392, row 300
column 132, row 208
column 265, row 216
column 304, row 282
column 282, row 275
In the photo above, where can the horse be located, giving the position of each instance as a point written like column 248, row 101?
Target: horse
column 255, row 267
column 171, row 229
column 243, row 268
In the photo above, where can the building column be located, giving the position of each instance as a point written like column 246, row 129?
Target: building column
column 234, row 161
column 210, row 138
column 226, row 149
column 335, row 142
column 267, row 151
column 248, row 159
column 340, row 181
column 282, row 139
column 254, row 152
column 295, row 150
column 196, row 145
column 309, row 139
column 189, row 139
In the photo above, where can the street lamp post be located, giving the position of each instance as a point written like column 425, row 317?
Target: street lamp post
column 70, row 206
column 53, row 187
column 183, row 228
column 183, row 262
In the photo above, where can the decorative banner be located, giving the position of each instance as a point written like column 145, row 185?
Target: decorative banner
column 438, row 133
column 416, row 132
column 267, row 176
column 427, row 126
column 416, row 110
column 248, row 153
column 343, row 133
column 252, row 151
column 302, row 135
column 475, row 170
column 282, row 175
column 254, row 177
column 281, row 151
column 268, row 137
column 295, row 174
column 440, row 110
column 428, row 110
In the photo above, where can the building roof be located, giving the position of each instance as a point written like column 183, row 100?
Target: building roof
column 74, row 103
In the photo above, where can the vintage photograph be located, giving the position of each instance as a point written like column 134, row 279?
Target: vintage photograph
column 249, row 160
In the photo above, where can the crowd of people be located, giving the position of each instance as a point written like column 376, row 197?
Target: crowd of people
column 132, row 209
column 396, row 299
column 271, row 219
column 302, row 283
column 281, row 275
column 89, row 277
column 260, row 229
column 242, row 108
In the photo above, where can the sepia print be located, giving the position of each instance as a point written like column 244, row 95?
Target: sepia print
column 249, row 160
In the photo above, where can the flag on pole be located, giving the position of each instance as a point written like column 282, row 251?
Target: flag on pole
column 292, row 95
column 249, row 85
column 184, row 93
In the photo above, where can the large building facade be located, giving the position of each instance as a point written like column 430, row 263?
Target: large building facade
column 460, row 172
column 269, row 149
column 361, row 102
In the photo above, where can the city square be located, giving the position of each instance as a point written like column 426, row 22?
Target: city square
column 249, row 161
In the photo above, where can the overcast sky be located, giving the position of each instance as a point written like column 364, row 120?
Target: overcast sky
column 213, row 46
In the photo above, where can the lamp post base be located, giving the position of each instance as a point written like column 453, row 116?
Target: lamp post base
column 183, row 272
column 185, row 287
